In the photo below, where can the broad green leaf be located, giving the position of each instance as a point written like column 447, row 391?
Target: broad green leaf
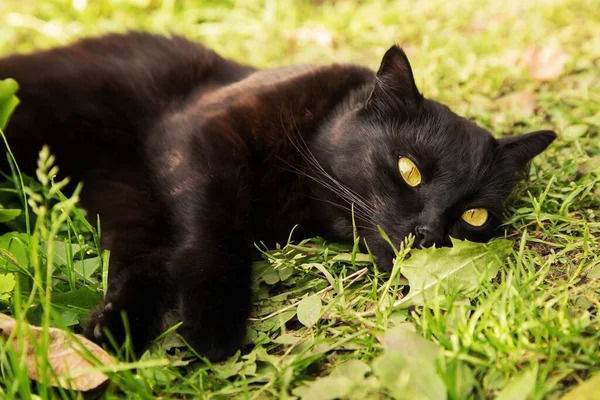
column 8, row 100
column 594, row 273
column 408, row 367
column 353, row 369
column 309, row 310
column 404, row 339
column 7, row 285
column 520, row 387
column 84, row 269
column 287, row 338
column 346, row 381
column 61, row 252
column 84, row 298
column 79, row 302
column 460, row 380
column 68, row 318
column 327, row 388
column 229, row 368
column 9, row 214
column 588, row 390
column 285, row 272
column 457, row 269
column 270, row 276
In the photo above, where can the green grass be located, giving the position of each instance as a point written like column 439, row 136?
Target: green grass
column 533, row 330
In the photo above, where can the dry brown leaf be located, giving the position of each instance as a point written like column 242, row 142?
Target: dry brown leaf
column 70, row 360
column 519, row 103
column 318, row 34
column 545, row 63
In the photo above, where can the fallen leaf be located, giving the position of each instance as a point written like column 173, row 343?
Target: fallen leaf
column 72, row 361
column 456, row 269
column 318, row 34
column 545, row 63
column 520, row 103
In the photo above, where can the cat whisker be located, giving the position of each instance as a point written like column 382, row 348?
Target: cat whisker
column 366, row 214
column 334, row 185
column 357, row 215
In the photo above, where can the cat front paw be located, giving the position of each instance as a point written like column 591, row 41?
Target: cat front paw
column 106, row 320
column 128, row 309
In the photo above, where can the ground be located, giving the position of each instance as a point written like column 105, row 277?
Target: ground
column 519, row 321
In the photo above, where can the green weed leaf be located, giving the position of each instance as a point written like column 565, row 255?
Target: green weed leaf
column 83, row 298
column 408, row 367
column 594, row 273
column 9, row 214
column 328, row 388
column 520, row 387
column 8, row 100
column 353, row 369
column 309, row 310
column 457, row 269
column 7, row 286
column 84, row 269
column 460, row 380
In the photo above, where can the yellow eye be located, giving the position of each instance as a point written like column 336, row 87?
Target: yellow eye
column 409, row 171
column 475, row 216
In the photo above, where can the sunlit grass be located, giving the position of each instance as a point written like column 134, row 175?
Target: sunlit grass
column 538, row 318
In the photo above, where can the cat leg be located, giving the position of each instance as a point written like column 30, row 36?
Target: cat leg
column 212, row 270
column 136, row 298
column 139, row 287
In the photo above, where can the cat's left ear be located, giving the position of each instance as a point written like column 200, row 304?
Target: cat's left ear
column 395, row 88
column 519, row 150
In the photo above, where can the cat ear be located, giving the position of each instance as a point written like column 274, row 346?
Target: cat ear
column 519, row 150
column 395, row 87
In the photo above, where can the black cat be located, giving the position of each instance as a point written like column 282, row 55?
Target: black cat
column 190, row 158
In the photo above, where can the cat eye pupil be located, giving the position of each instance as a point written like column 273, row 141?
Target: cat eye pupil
column 409, row 171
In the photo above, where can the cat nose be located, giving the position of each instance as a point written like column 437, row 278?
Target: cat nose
column 424, row 236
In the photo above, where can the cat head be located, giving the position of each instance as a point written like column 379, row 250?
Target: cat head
column 411, row 165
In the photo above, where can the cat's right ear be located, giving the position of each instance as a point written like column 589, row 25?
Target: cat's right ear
column 395, row 88
column 519, row 150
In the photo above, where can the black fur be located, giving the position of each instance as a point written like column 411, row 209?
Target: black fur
column 189, row 159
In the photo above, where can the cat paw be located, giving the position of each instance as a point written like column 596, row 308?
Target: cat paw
column 107, row 318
